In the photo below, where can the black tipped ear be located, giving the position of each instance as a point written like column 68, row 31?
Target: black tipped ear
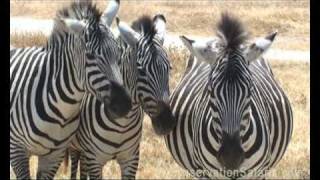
column 184, row 38
column 127, row 33
column 260, row 46
column 159, row 22
column 187, row 42
column 117, row 20
column 272, row 36
column 159, row 16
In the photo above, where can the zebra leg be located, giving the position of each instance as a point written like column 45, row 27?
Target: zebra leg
column 90, row 166
column 94, row 169
column 49, row 164
column 19, row 160
column 129, row 167
column 75, row 156
column 83, row 167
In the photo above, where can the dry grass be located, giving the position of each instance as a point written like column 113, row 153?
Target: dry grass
column 157, row 163
column 290, row 18
column 27, row 39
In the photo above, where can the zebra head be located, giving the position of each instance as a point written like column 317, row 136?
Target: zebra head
column 230, row 84
column 153, row 66
column 103, row 78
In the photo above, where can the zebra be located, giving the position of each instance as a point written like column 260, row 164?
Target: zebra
column 145, row 68
column 233, row 119
column 48, row 83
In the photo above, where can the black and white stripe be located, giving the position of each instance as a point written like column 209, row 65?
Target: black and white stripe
column 145, row 68
column 233, row 118
column 48, row 83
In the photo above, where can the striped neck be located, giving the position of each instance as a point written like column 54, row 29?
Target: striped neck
column 65, row 76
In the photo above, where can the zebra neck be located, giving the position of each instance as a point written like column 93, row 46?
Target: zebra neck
column 64, row 88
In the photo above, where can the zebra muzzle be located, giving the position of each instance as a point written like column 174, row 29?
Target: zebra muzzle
column 164, row 121
column 120, row 101
column 231, row 154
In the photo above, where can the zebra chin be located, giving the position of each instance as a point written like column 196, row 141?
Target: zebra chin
column 119, row 103
column 164, row 121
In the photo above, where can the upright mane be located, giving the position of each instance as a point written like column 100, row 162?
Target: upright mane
column 231, row 31
column 80, row 10
column 232, row 34
column 144, row 24
column 76, row 10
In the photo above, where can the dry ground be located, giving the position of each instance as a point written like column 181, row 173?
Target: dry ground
column 291, row 18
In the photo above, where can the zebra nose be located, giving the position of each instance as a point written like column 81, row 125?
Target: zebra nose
column 164, row 121
column 231, row 154
column 120, row 103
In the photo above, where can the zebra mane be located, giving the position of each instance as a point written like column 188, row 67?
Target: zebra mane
column 81, row 10
column 76, row 10
column 145, row 25
column 231, row 31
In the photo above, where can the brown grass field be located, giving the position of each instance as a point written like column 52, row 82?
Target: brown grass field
column 291, row 18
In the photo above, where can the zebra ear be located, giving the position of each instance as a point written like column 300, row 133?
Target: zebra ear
column 127, row 33
column 204, row 50
column 160, row 25
column 110, row 12
column 260, row 46
column 74, row 25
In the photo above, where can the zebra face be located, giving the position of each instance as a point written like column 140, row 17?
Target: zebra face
column 153, row 86
column 230, row 88
column 100, row 41
column 104, row 78
column 98, row 68
column 107, row 91
column 102, row 74
column 106, row 81
column 153, row 68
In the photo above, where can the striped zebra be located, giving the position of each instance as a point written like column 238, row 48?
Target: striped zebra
column 48, row 83
column 233, row 119
column 145, row 68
